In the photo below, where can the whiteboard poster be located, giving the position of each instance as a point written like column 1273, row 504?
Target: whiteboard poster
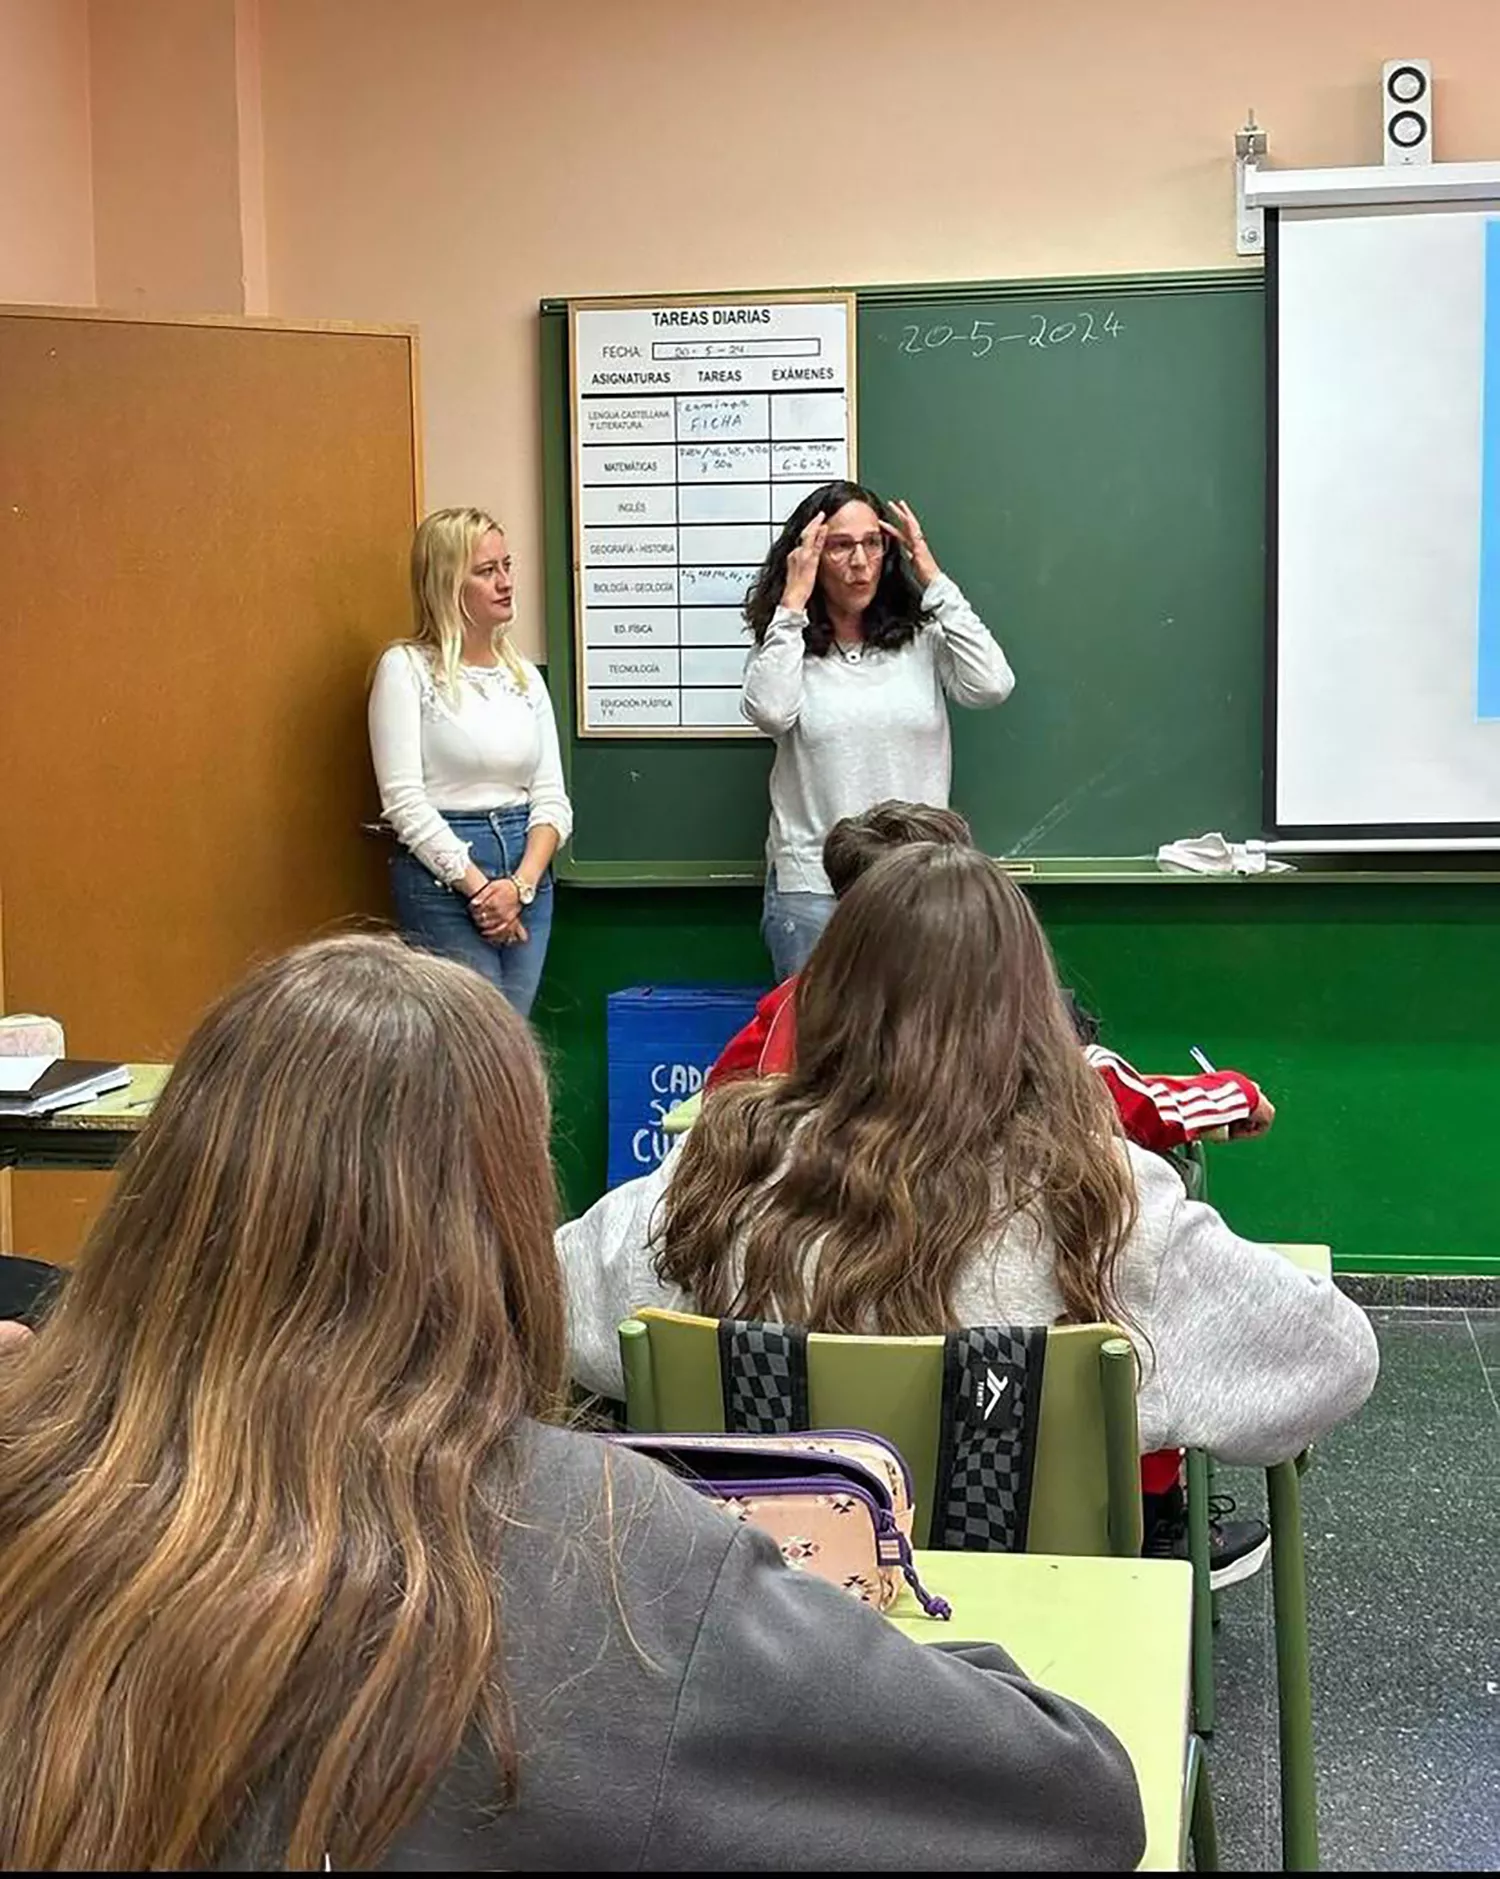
column 698, row 426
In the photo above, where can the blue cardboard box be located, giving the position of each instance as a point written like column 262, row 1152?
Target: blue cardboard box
column 662, row 1042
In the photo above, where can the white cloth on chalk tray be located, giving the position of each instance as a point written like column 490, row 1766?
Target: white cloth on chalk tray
column 1212, row 854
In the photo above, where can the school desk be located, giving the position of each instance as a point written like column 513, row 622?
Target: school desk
column 1112, row 1634
column 94, row 1135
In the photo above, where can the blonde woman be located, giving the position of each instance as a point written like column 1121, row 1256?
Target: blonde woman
column 294, row 1574
column 465, row 750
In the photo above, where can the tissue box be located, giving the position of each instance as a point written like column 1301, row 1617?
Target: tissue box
column 25, row 1035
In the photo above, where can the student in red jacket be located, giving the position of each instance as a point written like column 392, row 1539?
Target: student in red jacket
column 1156, row 1112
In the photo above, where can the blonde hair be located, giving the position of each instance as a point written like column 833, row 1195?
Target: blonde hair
column 260, row 1467
column 441, row 551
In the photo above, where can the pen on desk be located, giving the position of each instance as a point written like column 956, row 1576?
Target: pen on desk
column 1201, row 1061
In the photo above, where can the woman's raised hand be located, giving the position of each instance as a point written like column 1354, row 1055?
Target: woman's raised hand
column 802, row 565
column 907, row 530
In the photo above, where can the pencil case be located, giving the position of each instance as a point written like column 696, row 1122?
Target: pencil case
column 838, row 1502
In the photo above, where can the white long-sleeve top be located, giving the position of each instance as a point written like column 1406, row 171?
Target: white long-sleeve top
column 1241, row 1353
column 862, row 725
column 493, row 747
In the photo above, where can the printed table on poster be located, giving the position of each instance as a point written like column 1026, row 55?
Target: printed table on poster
column 698, row 426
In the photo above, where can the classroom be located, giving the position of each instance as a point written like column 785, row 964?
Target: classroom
column 587, row 486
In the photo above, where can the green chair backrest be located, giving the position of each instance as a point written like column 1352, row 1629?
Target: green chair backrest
column 1085, row 1495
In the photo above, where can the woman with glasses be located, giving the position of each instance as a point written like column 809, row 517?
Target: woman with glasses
column 860, row 639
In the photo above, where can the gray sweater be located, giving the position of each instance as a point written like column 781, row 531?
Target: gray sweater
column 685, row 1702
column 858, row 727
column 1241, row 1354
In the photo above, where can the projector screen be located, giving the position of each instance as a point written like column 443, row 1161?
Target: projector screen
column 1385, row 506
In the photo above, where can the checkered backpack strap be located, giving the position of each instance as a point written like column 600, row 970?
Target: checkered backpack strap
column 992, row 1395
column 764, row 1372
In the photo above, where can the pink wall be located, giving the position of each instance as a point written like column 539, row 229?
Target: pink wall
column 46, row 215
column 167, row 155
column 451, row 163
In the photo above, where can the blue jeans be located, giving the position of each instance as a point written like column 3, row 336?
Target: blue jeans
column 435, row 917
column 791, row 925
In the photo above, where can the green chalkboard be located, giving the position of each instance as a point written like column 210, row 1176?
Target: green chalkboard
column 1088, row 460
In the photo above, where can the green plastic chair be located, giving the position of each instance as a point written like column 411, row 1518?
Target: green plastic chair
column 1200, row 1829
column 1086, row 1485
column 1298, row 1768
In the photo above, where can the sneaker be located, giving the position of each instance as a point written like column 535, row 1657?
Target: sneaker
column 1237, row 1549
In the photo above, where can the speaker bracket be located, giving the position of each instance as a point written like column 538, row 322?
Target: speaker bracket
column 1249, row 221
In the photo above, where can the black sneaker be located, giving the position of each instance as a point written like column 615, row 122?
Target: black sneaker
column 1237, row 1549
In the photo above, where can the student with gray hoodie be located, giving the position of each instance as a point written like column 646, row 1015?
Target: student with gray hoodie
column 941, row 1155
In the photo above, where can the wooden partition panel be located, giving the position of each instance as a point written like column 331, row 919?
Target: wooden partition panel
column 204, row 528
column 5, row 1175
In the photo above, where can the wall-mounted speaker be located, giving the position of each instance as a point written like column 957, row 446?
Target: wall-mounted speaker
column 1406, row 110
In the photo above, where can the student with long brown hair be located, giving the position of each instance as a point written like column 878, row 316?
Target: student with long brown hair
column 941, row 1154
column 293, row 1574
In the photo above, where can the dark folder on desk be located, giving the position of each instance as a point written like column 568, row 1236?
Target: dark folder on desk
column 63, row 1084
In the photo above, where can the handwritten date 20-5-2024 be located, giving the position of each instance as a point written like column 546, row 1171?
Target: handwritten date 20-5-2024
column 1041, row 333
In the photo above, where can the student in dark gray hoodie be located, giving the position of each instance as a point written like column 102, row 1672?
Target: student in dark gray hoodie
column 294, row 1573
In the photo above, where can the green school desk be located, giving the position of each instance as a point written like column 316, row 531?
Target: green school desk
column 94, row 1135
column 1112, row 1634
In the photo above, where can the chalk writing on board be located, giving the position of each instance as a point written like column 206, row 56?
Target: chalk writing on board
column 1041, row 333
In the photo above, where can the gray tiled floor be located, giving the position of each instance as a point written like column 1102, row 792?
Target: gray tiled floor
column 1402, row 1515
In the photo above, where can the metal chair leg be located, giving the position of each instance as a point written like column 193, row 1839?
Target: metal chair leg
column 1203, row 1605
column 1200, row 1827
column 1299, row 1787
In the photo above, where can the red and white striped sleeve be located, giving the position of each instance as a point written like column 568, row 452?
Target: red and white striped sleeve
column 1167, row 1112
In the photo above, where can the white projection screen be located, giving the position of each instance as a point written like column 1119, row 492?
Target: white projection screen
column 1384, row 600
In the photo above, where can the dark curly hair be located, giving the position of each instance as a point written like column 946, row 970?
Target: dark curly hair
column 855, row 843
column 893, row 615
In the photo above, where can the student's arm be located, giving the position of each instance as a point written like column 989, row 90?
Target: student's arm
column 1249, row 1358
column 810, row 1733
column 741, row 1056
column 970, row 665
column 771, row 695
column 606, row 1261
column 1161, row 1113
